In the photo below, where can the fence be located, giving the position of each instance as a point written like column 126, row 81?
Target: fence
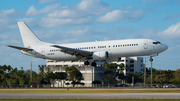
column 94, row 86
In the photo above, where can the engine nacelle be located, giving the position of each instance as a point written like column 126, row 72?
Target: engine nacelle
column 102, row 55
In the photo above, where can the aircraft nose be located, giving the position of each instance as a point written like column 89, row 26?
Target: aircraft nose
column 165, row 47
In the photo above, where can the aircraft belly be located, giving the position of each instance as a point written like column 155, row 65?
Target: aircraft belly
column 126, row 52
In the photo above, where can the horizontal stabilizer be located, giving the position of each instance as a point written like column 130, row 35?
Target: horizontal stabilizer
column 20, row 48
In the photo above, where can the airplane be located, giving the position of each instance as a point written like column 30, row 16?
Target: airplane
column 98, row 50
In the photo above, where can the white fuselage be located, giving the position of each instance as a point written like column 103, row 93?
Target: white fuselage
column 116, row 49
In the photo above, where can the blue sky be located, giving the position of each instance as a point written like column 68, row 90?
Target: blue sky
column 69, row 21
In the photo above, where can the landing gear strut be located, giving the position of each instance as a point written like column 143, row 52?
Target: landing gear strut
column 86, row 63
column 93, row 64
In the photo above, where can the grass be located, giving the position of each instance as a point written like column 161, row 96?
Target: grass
column 89, row 91
column 89, row 99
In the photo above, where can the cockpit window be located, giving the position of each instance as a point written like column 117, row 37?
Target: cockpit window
column 157, row 42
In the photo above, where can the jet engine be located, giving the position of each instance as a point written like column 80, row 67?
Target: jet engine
column 102, row 55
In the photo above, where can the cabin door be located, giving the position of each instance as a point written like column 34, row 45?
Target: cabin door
column 146, row 44
column 43, row 51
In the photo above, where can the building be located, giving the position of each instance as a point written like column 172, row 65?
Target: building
column 89, row 73
column 135, row 64
column 95, row 73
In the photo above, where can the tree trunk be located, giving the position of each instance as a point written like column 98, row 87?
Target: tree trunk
column 61, row 83
column 58, row 83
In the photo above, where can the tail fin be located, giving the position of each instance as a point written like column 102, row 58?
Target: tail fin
column 28, row 37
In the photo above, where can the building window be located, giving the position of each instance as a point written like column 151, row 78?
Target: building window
column 131, row 61
column 131, row 70
column 131, row 65
column 126, row 60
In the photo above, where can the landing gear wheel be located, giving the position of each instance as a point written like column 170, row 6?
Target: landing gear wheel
column 93, row 64
column 86, row 63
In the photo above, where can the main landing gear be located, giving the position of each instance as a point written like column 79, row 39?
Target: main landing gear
column 92, row 64
column 86, row 63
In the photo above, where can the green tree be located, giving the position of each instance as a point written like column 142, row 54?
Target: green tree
column 51, row 77
column 177, row 77
column 60, row 76
column 137, row 77
column 109, row 78
column 74, row 75
column 21, row 75
column 9, row 68
column 110, row 66
column 41, row 68
column 4, row 68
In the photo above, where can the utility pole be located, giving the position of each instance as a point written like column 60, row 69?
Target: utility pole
column 145, row 74
column 151, row 69
column 38, row 70
column 31, row 71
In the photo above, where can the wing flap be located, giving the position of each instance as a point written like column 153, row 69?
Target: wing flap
column 77, row 53
column 20, row 48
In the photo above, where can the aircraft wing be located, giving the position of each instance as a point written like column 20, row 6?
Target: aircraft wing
column 20, row 48
column 77, row 53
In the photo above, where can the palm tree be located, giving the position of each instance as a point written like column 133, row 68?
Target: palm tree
column 106, row 65
column 4, row 68
column 41, row 68
column 9, row 68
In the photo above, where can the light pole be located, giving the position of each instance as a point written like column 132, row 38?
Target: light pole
column 151, row 59
column 145, row 74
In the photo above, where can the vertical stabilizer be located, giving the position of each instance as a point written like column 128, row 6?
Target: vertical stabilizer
column 28, row 37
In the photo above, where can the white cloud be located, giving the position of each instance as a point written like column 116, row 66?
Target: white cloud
column 83, row 9
column 158, row 1
column 65, row 13
column 32, row 10
column 45, row 1
column 118, row 15
column 5, row 13
column 124, row 7
column 57, row 22
column 93, row 6
column 57, row 15
column 173, row 16
column 171, row 32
